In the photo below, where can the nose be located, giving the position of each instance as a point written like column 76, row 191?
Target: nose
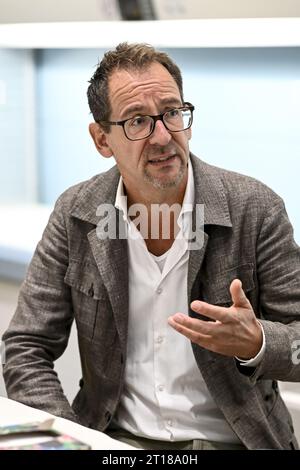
column 160, row 135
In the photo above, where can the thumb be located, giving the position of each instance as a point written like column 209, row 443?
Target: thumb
column 238, row 296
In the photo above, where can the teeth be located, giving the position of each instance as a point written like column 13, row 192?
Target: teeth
column 161, row 159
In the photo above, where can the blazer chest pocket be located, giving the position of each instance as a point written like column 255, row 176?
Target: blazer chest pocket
column 215, row 289
column 87, row 294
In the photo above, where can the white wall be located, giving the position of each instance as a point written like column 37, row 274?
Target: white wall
column 17, row 126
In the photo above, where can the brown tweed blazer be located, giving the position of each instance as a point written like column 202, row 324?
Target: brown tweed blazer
column 73, row 274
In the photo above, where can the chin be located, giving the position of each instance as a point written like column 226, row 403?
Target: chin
column 165, row 183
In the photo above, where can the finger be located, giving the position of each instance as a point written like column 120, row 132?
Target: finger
column 238, row 295
column 199, row 326
column 191, row 334
column 211, row 311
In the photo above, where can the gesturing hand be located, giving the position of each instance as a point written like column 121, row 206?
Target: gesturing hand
column 232, row 331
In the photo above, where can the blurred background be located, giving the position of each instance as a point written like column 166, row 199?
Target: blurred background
column 240, row 61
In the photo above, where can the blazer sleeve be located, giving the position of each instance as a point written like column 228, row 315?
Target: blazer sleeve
column 39, row 331
column 278, row 272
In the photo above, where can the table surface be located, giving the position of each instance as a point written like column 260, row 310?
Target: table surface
column 12, row 412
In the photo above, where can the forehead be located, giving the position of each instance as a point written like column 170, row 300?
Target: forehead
column 127, row 87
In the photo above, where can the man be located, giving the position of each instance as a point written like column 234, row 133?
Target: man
column 139, row 293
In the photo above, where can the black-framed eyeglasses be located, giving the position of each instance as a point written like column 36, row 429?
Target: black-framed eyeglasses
column 141, row 126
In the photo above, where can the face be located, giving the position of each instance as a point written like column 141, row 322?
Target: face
column 158, row 162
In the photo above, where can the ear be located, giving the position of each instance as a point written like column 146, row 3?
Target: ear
column 100, row 139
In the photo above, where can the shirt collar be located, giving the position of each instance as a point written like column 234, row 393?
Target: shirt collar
column 121, row 199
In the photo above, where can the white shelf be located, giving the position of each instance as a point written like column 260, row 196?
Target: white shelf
column 249, row 32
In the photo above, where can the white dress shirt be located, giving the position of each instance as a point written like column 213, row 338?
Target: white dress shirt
column 165, row 396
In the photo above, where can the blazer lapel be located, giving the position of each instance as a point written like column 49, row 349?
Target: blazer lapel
column 210, row 193
column 195, row 261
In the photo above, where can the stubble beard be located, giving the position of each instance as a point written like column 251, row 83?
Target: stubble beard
column 172, row 182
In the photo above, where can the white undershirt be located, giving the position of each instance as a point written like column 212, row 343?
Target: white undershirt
column 165, row 396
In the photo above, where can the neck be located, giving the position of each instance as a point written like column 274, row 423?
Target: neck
column 156, row 223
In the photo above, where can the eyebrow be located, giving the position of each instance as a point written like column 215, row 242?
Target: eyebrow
column 132, row 110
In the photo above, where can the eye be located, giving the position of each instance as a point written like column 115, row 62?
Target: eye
column 138, row 121
column 173, row 113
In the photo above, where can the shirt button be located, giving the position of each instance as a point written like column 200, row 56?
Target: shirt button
column 161, row 388
column 159, row 290
column 159, row 339
column 170, row 422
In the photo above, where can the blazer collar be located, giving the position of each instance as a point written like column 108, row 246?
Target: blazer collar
column 101, row 189
column 209, row 190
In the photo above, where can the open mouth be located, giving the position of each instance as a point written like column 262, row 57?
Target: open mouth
column 159, row 160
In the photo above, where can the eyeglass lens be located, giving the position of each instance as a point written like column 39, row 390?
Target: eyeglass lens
column 175, row 120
